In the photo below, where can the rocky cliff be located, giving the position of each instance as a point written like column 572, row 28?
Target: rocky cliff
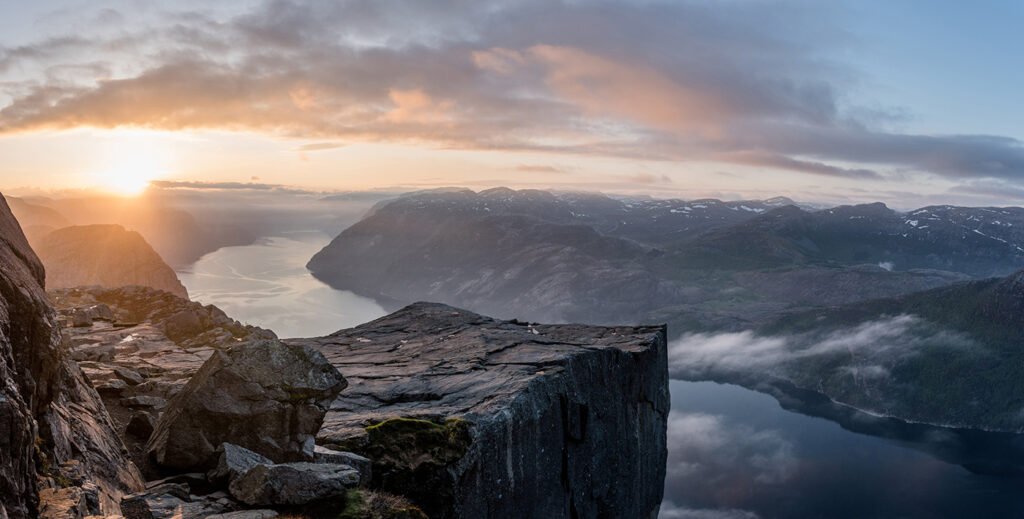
column 470, row 416
column 464, row 415
column 104, row 255
column 56, row 438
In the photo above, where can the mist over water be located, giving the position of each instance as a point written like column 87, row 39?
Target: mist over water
column 267, row 285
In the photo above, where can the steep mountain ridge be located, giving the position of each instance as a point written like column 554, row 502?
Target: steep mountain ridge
column 104, row 255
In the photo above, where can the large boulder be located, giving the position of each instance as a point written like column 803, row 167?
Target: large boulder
column 266, row 396
column 294, row 484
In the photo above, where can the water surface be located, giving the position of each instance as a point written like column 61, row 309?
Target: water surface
column 733, row 452
column 266, row 284
column 737, row 453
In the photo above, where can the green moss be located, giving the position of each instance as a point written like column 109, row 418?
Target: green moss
column 362, row 504
column 354, row 504
column 411, row 457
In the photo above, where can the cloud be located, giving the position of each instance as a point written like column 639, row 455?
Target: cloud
column 868, row 349
column 226, row 186
column 669, row 510
column 319, row 146
column 752, row 84
column 538, row 168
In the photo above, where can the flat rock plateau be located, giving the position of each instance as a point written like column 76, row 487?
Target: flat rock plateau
column 459, row 414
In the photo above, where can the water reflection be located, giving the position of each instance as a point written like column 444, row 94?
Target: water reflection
column 737, row 453
column 266, row 284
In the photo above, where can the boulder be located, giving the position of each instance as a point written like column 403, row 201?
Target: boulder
column 155, row 502
column 267, row 396
column 234, row 461
column 294, row 484
column 173, row 501
column 360, row 463
column 245, row 514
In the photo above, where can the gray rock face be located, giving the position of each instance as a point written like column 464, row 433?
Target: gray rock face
column 266, row 396
column 473, row 417
column 128, row 354
column 50, row 417
column 234, row 461
column 294, row 483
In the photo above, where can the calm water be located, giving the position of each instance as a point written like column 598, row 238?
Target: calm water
column 736, row 453
column 266, row 284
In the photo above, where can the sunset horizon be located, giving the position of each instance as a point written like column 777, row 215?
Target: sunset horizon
column 821, row 104
column 511, row 259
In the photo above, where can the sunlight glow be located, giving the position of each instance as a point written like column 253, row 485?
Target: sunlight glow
column 130, row 163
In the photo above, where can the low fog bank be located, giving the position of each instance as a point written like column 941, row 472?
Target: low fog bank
column 867, row 350
column 269, row 210
column 670, row 510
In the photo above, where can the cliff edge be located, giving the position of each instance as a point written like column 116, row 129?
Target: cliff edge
column 470, row 416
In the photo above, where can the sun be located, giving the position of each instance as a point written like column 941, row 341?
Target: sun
column 128, row 169
column 126, row 182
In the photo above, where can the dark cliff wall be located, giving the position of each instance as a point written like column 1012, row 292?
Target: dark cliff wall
column 54, row 430
column 470, row 416
column 28, row 362
column 588, row 443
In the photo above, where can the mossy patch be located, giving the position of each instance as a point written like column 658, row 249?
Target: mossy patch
column 364, row 504
column 411, row 457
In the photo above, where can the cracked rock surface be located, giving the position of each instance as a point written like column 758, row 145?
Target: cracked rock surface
column 476, row 417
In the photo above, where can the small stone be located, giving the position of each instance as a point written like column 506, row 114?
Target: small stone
column 360, row 463
column 234, row 461
column 154, row 402
column 80, row 318
column 246, row 514
column 293, row 483
column 132, row 378
column 112, row 387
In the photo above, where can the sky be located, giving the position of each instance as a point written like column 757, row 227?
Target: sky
column 907, row 102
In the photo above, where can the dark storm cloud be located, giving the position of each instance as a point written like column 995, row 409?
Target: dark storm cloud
column 746, row 83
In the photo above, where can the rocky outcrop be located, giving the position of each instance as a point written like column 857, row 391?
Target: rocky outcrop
column 474, row 417
column 464, row 415
column 55, row 433
column 133, row 347
column 291, row 484
column 266, row 396
column 104, row 255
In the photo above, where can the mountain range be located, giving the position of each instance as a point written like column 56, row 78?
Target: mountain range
column 702, row 264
